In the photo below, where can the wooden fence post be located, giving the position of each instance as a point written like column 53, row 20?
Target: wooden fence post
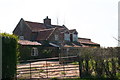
column 47, row 68
column 63, row 69
column 30, row 71
column 80, row 67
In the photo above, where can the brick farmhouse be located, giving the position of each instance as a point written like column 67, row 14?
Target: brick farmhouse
column 40, row 36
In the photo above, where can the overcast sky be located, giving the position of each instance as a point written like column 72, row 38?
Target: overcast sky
column 94, row 19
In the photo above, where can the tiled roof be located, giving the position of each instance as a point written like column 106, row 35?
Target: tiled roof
column 44, row 31
column 44, row 34
column 26, row 42
column 34, row 26
column 58, row 26
column 72, row 30
column 63, row 30
column 86, row 41
column 72, row 44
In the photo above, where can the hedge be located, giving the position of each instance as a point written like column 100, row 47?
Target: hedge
column 9, row 56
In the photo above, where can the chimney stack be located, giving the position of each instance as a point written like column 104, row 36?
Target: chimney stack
column 47, row 21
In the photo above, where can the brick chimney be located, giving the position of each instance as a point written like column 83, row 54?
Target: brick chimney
column 47, row 21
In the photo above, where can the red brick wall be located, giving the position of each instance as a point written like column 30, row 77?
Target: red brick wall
column 22, row 30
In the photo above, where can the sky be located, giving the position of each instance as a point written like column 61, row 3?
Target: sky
column 94, row 19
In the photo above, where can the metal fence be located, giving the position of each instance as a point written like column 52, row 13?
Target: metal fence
column 64, row 67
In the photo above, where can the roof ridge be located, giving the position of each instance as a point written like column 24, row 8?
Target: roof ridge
column 71, row 29
column 56, row 25
column 33, row 22
column 42, row 23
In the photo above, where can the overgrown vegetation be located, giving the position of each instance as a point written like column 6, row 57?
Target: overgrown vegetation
column 99, row 63
column 9, row 56
column 47, row 53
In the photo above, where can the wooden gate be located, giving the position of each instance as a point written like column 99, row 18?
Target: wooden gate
column 49, row 68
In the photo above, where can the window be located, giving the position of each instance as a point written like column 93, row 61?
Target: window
column 75, row 37
column 67, row 49
column 34, row 51
column 67, row 37
column 71, row 37
column 56, row 37
column 21, row 37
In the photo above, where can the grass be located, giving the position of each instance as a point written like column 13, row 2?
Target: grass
column 63, row 73
column 41, row 70
column 75, row 63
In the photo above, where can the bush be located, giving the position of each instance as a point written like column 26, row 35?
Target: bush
column 9, row 56
column 99, row 63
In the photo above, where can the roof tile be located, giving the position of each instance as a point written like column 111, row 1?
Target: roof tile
column 44, row 34
column 86, row 41
column 26, row 42
column 34, row 26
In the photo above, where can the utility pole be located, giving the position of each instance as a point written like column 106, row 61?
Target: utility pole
column 0, row 57
column 57, row 21
column 119, row 24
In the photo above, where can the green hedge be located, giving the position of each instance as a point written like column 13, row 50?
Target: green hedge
column 100, row 63
column 9, row 56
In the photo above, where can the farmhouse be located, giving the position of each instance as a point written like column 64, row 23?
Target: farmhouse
column 53, row 37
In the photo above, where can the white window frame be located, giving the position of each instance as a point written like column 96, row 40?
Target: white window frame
column 34, row 51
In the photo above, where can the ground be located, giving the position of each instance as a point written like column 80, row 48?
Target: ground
column 47, row 69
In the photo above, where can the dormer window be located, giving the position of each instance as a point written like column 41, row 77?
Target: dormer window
column 67, row 37
column 76, row 32
column 71, row 37
column 21, row 37
column 75, row 37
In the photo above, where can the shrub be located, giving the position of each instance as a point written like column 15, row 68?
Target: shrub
column 9, row 55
